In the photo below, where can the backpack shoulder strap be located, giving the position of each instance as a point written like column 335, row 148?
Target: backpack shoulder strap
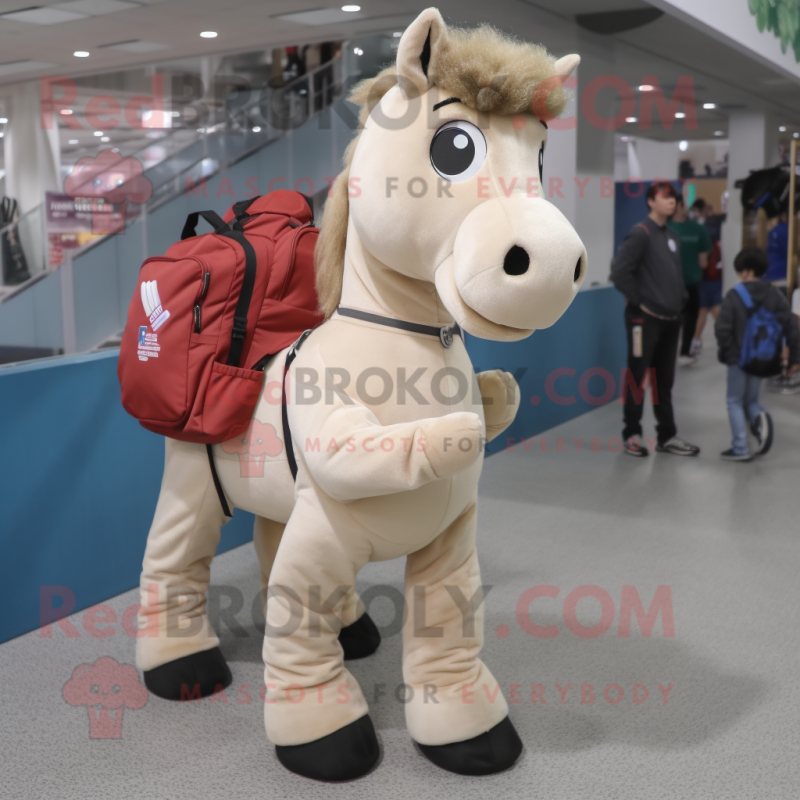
column 741, row 290
column 287, row 434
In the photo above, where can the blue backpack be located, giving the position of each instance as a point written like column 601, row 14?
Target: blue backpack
column 763, row 339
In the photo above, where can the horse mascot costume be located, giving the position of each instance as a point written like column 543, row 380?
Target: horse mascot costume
column 437, row 223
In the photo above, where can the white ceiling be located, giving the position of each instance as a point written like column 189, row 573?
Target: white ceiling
column 142, row 32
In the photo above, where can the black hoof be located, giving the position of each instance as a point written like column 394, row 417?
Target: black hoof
column 493, row 751
column 345, row 754
column 361, row 639
column 188, row 678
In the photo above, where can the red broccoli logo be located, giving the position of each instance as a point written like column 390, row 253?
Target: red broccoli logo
column 257, row 441
column 111, row 179
column 105, row 687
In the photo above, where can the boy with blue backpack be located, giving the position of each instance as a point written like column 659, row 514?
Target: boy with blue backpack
column 753, row 324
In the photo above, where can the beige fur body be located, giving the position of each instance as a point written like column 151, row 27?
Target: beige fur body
column 396, row 476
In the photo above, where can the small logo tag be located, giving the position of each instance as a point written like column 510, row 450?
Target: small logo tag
column 148, row 345
column 672, row 246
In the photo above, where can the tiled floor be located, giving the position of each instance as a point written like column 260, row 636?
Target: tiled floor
column 722, row 539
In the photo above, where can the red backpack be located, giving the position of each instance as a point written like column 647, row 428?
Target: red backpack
column 713, row 271
column 208, row 311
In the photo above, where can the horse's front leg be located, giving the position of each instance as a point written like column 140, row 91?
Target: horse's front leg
column 314, row 710
column 455, row 709
column 359, row 636
column 500, row 395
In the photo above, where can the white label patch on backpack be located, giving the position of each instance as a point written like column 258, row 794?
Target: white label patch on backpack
column 152, row 305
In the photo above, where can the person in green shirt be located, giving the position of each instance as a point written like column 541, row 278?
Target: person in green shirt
column 695, row 247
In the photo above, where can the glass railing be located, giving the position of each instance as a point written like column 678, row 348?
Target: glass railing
column 23, row 251
column 77, row 295
column 188, row 157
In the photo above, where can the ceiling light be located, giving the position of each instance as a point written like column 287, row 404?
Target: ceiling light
column 358, row 51
column 680, row 115
column 397, row 34
column 631, row 119
column 201, row 130
column 1, row 134
column 175, row 113
column 73, row 141
column 66, row 111
column 105, row 138
column 3, row 121
column 351, row 8
column 683, row 146
column 256, row 129
column 646, row 87
column 99, row 133
column 209, row 34
column 719, row 133
column 81, row 54
column 709, row 106
column 782, row 129
column 796, row 135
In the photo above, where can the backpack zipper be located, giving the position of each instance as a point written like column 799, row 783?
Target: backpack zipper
column 203, row 290
column 298, row 234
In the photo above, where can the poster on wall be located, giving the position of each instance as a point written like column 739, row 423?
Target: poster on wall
column 75, row 222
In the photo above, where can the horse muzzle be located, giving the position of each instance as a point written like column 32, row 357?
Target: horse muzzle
column 517, row 263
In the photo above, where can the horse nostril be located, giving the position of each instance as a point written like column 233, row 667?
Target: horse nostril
column 577, row 271
column 516, row 261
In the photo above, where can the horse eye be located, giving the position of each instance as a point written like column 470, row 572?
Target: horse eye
column 541, row 164
column 116, row 688
column 97, row 182
column 95, row 688
column 458, row 150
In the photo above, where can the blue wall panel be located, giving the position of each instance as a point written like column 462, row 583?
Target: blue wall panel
column 79, row 480
column 590, row 336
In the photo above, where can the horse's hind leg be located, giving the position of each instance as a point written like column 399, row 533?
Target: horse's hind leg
column 179, row 650
column 455, row 710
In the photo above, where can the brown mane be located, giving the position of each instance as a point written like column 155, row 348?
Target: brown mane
column 488, row 71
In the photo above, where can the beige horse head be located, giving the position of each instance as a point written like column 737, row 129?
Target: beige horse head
column 443, row 183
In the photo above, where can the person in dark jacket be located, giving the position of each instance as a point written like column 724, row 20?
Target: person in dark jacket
column 743, row 406
column 647, row 271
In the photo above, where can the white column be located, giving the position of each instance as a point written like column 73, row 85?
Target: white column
column 594, row 212
column 33, row 153
column 33, row 167
column 753, row 146
column 578, row 159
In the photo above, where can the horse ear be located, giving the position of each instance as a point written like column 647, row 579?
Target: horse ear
column 416, row 47
column 565, row 65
